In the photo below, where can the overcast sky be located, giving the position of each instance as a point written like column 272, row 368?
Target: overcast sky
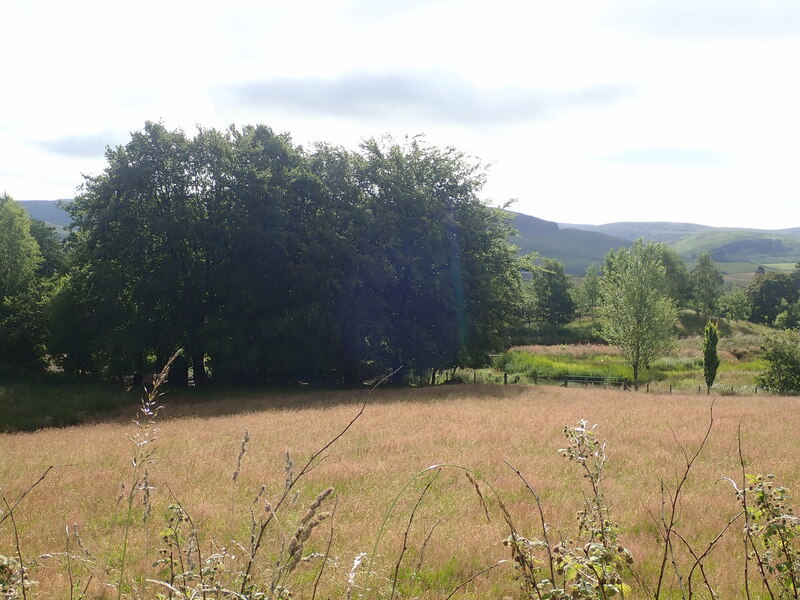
column 588, row 112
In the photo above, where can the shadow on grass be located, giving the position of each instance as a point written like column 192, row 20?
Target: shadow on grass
column 29, row 404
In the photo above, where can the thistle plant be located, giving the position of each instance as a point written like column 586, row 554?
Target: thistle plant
column 594, row 565
column 772, row 535
column 13, row 578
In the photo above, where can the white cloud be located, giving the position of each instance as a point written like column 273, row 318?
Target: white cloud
column 591, row 111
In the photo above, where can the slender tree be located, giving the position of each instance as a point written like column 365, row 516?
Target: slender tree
column 710, row 354
column 590, row 289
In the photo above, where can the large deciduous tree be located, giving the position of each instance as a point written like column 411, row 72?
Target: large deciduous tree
column 677, row 280
column 553, row 294
column 272, row 263
column 706, row 282
column 767, row 292
column 637, row 315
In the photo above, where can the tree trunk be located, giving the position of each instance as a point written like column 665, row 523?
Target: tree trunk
column 199, row 368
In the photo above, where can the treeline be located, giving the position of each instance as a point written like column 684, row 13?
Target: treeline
column 265, row 262
column 772, row 297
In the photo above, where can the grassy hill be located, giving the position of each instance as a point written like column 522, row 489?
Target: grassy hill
column 737, row 252
column 732, row 246
column 48, row 211
column 661, row 231
column 575, row 248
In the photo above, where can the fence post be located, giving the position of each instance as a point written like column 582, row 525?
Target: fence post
column 670, row 388
column 474, row 377
column 505, row 378
column 647, row 387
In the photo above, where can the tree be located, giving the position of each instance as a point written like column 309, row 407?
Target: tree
column 676, row 277
column 710, row 355
column 276, row 265
column 636, row 313
column 766, row 292
column 590, row 290
column 23, row 299
column 789, row 317
column 553, row 294
column 706, row 283
column 782, row 352
column 735, row 305
column 138, row 247
column 54, row 258
column 20, row 252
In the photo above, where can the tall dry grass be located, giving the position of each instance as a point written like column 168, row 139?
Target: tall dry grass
column 400, row 433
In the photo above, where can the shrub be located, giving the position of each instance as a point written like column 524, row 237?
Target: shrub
column 782, row 353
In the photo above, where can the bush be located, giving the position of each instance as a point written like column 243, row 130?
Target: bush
column 782, row 353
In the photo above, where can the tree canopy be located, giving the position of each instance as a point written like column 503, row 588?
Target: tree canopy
column 637, row 314
column 706, row 282
column 553, row 302
column 269, row 262
column 20, row 252
column 767, row 291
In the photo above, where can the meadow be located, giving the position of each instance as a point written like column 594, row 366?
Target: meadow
column 387, row 531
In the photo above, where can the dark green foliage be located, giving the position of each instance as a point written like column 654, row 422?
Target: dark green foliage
column 272, row 264
column 24, row 328
column 553, row 302
column 782, row 352
column 676, row 277
column 51, row 247
column 710, row 354
column 768, row 290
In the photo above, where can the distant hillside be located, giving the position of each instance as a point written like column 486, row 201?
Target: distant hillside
column 732, row 246
column 576, row 248
column 735, row 251
column 47, row 211
column 662, row 231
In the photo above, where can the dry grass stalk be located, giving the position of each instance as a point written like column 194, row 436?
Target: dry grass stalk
column 403, row 431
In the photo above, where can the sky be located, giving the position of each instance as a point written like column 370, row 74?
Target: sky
column 587, row 112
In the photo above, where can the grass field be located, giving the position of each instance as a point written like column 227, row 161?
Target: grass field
column 401, row 432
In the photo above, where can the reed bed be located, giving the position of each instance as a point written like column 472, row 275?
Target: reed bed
column 453, row 535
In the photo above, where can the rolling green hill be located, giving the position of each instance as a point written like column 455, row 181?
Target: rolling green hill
column 737, row 252
column 575, row 248
column 48, row 211
column 731, row 246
